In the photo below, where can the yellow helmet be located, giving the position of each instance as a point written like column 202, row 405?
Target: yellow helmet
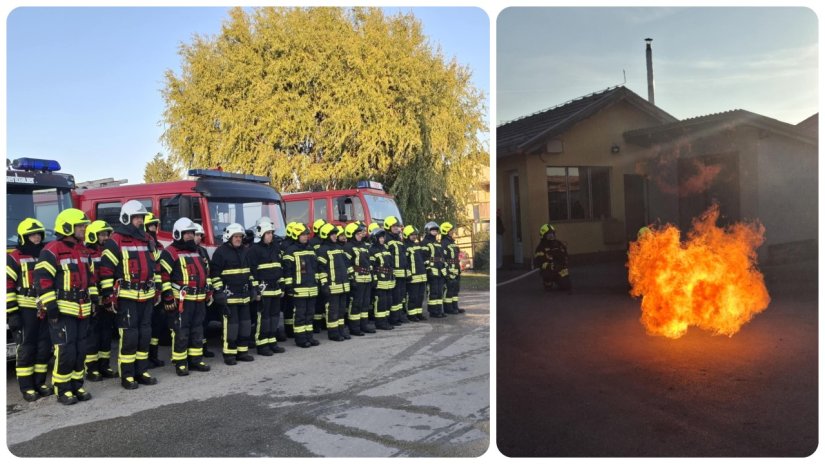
column 66, row 221
column 296, row 230
column 445, row 228
column 339, row 231
column 390, row 221
column 316, row 226
column 643, row 231
column 352, row 228
column 95, row 228
column 325, row 230
column 410, row 230
column 546, row 228
column 149, row 220
column 372, row 227
column 29, row 226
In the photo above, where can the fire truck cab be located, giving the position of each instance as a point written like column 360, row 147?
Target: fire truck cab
column 367, row 202
column 214, row 199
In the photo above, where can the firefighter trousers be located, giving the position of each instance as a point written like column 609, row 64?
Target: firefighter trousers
column 99, row 348
column 237, row 329
column 318, row 314
column 304, row 315
column 382, row 301
column 269, row 311
column 399, row 296
column 335, row 307
column 33, row 350
column 359, row 315
column 68, row 337
column 451, row 294
column 186, row 329
column 415, row 298
column 435, row 295
column 134, row 324
column 159, row 327
column 288, row 305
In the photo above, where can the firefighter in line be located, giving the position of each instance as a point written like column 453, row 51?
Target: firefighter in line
column 267, row 275
column 436, row 270
column 233, row 290
column 383, row 279
column 150, row 225
column 453, row 276
column 29, row 330
column 314, row 243
column 333, row 278
column 127, row 284
column 358, row 255
column 551, row 258
column 341, row 244
column 400, row 266
column 199, row 235
column 418, row 274
column 301, row 283
column 102, row 324
column 184, row 286
column 65, row 284
column 287, row 304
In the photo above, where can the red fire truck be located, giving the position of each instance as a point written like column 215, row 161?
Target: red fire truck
column 367, row 202
column 211, row 198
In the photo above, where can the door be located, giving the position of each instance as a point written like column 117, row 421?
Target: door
column 515, row 208
column 635, row 205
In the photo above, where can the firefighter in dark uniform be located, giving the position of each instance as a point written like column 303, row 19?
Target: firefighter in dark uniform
column 267, row 275
column 127, row 281
column 383, row 280
column 199, row 235
column 150, row 225
column 333, row 276
column 314, row 243
column 65, row 284
column 102, row 323
column 551, row 259
column 453, row 281
column 29, row 329
column 232, row 283
column 184, row 287
column 301, row 282
column 418, row 274
column 400, row 266
column 287, row 305
column 358, row 254
column 436, row 270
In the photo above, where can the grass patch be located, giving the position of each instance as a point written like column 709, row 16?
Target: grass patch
column 475, row 281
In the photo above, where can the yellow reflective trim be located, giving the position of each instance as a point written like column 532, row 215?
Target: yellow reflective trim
column 165, row 265
column 41, row 368
column 25, row 371
column 142, row 355
column 11, row 273
column 269, row 265
column 111, row 256
column 47, row 266
column 242, row 270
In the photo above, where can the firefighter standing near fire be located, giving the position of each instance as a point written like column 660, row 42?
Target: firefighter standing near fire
column 383, row 280
column 65, row 285
column 29, row 330
column 102, row 323
column 333, row 277
column 453, row 280
column 184, row 286
column 358, row 253
column 436, row 270
column 301, row 283
column 150, row 225
column 418, row 274
column 199, row 234
column 551, row 259
column 232, row 283
column 314, row 243
column 267, row 275
column 127, row 281
column 400, row 266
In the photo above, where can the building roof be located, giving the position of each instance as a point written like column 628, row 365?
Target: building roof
column 810, row 125
column 713, row 123
column 519, row 135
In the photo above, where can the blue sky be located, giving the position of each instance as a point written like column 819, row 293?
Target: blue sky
column 705, row 60
column 83, row 84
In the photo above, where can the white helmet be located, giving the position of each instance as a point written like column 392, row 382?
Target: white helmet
column 131, row 208
column 263, row 225
column 431, row 225
column 182, row 225
column 199, row 229
column 232, row 229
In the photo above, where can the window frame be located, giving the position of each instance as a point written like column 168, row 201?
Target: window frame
column 589, row 213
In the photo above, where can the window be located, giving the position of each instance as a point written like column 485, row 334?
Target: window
column 381, row 207
column 170, row 212
column 223, row 212
column 349, row 209
column 109, row 212
column 297, row 211
column 578, row 193
column 319, row 206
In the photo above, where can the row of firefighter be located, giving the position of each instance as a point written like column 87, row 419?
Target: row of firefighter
column 70, row 297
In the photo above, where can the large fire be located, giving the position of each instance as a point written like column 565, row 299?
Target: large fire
column 709, row 281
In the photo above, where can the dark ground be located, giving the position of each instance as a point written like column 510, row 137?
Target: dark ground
column 578, row 375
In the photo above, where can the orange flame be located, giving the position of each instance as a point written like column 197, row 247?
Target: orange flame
column 710, row 281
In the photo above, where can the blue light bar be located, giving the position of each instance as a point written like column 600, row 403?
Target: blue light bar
column 371, row 184
column 34, row 164
column 228, row 175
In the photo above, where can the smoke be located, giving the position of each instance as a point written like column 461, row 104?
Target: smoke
column 675, row 178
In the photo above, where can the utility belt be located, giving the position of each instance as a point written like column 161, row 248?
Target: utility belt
column 30, row 292
column 73, row 295
column 140, row 286
column 382, row 270
column 238, row 290
column 190, row 290
column 437, row 259
column 361, row 270
column 452, row 261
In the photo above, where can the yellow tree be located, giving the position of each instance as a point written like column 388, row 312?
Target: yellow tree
column 160, row 170
column 321, row 97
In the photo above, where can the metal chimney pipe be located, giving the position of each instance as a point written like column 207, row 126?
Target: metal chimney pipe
column 649, row 56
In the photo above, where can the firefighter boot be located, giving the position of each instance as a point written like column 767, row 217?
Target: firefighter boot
column 229, row 359
column 42, row 389
column 245, row 357
column 275, row 348
column 264, row 350
column 82, row 394
column 30, row 395
column 67, row 398
column 206, row 352
column 93, row 372
column 154, row 361
column 182, row 368
column 199, row 366
column 129, row 383
column 146, row 379
column 105, row 371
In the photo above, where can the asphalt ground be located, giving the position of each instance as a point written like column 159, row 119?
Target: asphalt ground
column 419, row 390
column 578, row 376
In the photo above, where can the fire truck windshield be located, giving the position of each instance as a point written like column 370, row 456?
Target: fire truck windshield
column 43, row 205
column 223, row 212
column 380, row 207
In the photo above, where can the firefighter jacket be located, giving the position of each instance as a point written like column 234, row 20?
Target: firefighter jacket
column 231, row 273
column 300, row 270
column 65, row 280
column 382, row 272
column 128, row 265
column 401, row 265
column 183, row 272
column 95, row 254
column 333, row 268
column 550, row 254
column 451, row 256
column 416, row 255
column 315, row 242
column 266, row 267
column 358, row 254
column 20, row 291
column 434, row 256
column 156, row 254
